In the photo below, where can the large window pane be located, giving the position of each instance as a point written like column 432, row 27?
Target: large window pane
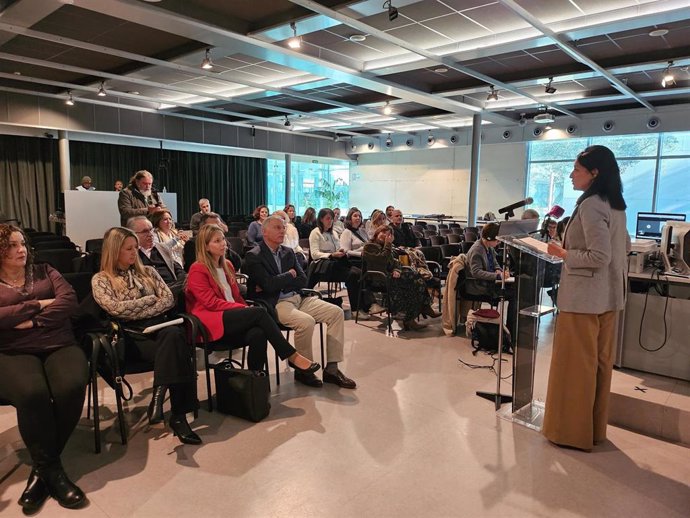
column 548, row 182
column 638, row 181
column 673, row 194
column 675, row 144
column 629, row 146
column 556, row 149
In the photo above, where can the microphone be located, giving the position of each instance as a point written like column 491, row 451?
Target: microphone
column 510, row 208
column 556, row 211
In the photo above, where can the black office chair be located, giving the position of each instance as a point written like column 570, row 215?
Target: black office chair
column 93, row 245
column 375, row 281
column 438, row 240
column 461, row 294
column 454, row 239
column 54, row 245
column 61, row 260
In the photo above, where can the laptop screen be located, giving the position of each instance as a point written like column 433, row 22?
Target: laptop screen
column 649, row 224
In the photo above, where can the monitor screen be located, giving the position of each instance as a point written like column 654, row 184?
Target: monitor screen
column 649, row 224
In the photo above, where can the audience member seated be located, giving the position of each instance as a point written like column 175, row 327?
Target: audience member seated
column 292, row 239
column 403, row 235
column 277, row 278
column 136, row 295
column 338, row 225
column 295, row 220
column 329, row 260
column 118, row 186
column 213, row 296
column 560, row 229
column 389, row 212
column 354, row 236
column 530, row 214
column 307, row 223
column 139, row 198
column 552, row 272
column 255, row 231
column 409, row 296
column 43, row 372
column 204, row 208
column 85, row 184
column 167, row 235
column 209, row 218
column 377, row 219
column 482, row 270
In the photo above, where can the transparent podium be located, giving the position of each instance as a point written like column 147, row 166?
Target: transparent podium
column 532, row 266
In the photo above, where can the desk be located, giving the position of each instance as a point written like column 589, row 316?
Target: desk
column 673, row 359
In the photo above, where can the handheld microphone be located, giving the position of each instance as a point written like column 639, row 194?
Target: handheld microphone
column 510, row 208
column 556, row 211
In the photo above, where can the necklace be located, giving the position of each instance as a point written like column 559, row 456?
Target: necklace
column 14, row 282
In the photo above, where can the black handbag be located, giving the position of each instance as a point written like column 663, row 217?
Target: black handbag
column 241, row 392
column 110, row 358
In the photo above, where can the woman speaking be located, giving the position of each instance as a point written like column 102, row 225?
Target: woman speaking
column 592, row 291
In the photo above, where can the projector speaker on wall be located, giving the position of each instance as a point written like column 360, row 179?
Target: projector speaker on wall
column 537, row 132
column 571, row 129
column 409, row 142
column 370, row 145
column 453, row 139
column 653, row 123
column 506, row 135
column 608, row 125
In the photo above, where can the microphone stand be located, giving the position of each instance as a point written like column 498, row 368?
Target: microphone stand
column 497, row 397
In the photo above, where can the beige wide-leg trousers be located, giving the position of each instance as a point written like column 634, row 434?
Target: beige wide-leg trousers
column 577, row 399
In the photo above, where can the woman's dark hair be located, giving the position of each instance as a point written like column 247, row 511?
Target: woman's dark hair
column 607, row 183
column 288, row 206
column 309, row 216
column 348, row 219
column 6, row 231
column 560, row 229
column 544, row 230
column 257, row 211
column 319, row 220
column 157, row 217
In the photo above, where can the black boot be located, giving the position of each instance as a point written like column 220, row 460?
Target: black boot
column 35, row 493
column 155, row 410
column 61, row 488
column 181, row 429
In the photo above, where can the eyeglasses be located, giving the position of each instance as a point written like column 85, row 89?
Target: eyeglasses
column 147, row 231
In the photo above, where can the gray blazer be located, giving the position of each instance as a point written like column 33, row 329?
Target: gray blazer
column 593, row 278
column 479, row 280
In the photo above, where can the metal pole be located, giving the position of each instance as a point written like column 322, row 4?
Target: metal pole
column 288, row 177
column 474, row 169
column 63, row 152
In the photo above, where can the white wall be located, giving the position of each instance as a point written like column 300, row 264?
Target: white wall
column 437, row 180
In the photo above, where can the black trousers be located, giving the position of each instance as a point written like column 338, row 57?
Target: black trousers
column 48, row 392
column 253, row 326
column 171, row 356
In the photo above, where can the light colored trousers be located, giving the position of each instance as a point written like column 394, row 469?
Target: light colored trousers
column 302, row 314
column 577, row 400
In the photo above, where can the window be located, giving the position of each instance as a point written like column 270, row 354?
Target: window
column 313, row 184
column 654, row 171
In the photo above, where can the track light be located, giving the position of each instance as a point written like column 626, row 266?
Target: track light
column 253, row 131
column 493, row 94
column 287, row 122
column 389, row 141
column 392, row 11
column 70, row 100
column 207, row 64
column 387, row 108
column 295, row 42
column 101, row 90
column 549, row 88
column 668, row 78
column 430, row 139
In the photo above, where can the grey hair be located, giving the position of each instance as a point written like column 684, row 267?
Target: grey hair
column 131, row 221
column 204, row 199
column 272, row 217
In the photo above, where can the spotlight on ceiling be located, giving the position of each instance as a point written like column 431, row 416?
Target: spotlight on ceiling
column 668, row 79
column 392, row 11
column 523, row 119
column 544, row 118
column 357, row 38
column 387, row 108
column 389, row 141
column 430, row 139
column 70, row 99
column 295, row 42
column 101, row 90
column 549, row 88
column 493, row 94
column 207, row 64
column 287, row 122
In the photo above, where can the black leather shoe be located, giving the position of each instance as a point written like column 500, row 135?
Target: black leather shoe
column 181, row 429
column 155, row 410
column 34, row 495
column 61, row 488
column 308, row 378
column 309, row 370
column 339, row 379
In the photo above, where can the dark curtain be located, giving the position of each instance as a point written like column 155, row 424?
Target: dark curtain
column 29, row 180
column 234, row 185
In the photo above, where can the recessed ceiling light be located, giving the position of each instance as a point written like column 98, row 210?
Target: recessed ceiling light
column 441, row 70
column 656, row 33
column 132, row 92
column 17, row 73
column 357, row 37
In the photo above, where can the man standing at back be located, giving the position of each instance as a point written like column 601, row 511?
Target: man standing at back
column 276, row 277
column 139, row 198
column 204, row 208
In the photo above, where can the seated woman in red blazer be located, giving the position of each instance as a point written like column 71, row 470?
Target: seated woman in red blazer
column 212, row 295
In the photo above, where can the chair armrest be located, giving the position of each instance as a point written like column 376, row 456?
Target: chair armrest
column 306, row 292
column 242, row 276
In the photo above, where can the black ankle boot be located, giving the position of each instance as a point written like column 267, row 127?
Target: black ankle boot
column 61, row 488
column 155, row 410
column 181, row 429
column 35, row 493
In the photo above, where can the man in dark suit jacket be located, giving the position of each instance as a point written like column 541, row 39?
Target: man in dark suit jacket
column 403, row 235
column 276, row 277
column 156, row 255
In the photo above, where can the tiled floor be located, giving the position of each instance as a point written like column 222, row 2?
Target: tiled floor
column 412, row 440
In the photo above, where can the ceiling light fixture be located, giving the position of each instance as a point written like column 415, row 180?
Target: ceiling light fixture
column 392, row 11
column 295, row 42
column 493, row 94
column 389, row 141
column 544, row 118
column 668, row 79
column 70, row 99
column 430, row 139
column 441, row 70
column 549, row 88
column 101, row 90
column 357, row 38
column 207, row 64
column 656, row 33
column 387, row 108
column 287, row 122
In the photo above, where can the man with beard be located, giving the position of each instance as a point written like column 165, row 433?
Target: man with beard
column 139, row 198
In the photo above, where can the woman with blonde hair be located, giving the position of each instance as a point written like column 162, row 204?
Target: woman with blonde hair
column 212, row 295
column 377, row 219
column 131, row 292
column 165, row 233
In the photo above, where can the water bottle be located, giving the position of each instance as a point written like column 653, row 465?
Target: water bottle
column 164, row 189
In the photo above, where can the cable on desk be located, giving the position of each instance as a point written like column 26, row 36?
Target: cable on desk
column 644, row 311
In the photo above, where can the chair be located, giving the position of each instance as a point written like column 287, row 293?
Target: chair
column 438, row 240
column 471, row 233
column 54, row 245
column 40, row 238
column 461, row 294
column 61, row 260
column 454, row 225
column 449, row 251
column 93, row 245
column 81, row 282
column 443, row 226
column 429, row 233
column 454, row 239
column 383, row 287
column 466, row 245
column 444, row 231
column 236, row 244
column 429, row 226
